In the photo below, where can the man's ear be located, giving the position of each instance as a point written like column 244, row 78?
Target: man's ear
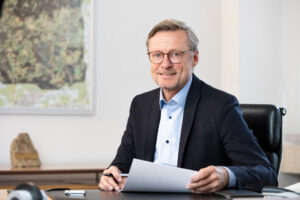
column 195, row 58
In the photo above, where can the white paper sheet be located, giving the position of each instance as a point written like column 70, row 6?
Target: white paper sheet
column 294, row 187
column 147, row 176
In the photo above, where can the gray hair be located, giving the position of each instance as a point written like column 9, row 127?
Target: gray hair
column 173, row 25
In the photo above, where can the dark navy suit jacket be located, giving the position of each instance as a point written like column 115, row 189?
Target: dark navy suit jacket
column 213, row 133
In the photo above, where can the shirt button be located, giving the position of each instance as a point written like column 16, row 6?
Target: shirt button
column 170, row 117
column 167, row 141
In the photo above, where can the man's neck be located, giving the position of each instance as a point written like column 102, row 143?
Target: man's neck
column 169, row 94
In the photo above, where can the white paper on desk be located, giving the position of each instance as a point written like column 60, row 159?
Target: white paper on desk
column 294, row 187
column 147, row 176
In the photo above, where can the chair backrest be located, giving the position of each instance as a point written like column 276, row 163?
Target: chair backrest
column 265, row 121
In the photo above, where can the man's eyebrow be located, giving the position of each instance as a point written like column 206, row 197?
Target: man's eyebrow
column 164, row 51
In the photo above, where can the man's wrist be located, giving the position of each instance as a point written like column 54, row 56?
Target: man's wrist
column 231, row 178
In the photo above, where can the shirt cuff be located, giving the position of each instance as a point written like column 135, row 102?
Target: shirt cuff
column 232, row 178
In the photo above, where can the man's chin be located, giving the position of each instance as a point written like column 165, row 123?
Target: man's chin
column 169, row 87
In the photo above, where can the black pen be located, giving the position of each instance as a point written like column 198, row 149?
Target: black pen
column 111, row 175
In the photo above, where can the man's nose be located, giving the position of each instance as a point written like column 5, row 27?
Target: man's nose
column 166, row 62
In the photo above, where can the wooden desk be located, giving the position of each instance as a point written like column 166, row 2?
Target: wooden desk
column 48, row 177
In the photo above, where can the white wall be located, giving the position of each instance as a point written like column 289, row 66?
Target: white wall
column 247, row 47
column 291, row 64
column 260, row 52
column 263, row 38
column 269, row 56
column 229, row 48
column 122, row 71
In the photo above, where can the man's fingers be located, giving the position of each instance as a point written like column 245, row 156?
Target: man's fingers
column 202, row 183
column 108, row 184
column 122, row 184
column 112, row 182
column 105, row 186
column 211, row 187
column 209, row 179
column 116, row 173
column 203, row 174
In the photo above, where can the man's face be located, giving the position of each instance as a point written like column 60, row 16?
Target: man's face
column 169, row 76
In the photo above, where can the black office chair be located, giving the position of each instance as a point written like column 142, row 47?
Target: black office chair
column 265, row 121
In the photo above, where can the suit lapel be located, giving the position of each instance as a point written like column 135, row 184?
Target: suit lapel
column 152, row 128
column 188, row 116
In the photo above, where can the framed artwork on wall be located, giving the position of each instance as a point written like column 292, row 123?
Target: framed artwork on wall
column 46, row 57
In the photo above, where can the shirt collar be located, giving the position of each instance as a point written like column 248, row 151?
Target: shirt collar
column 179, row 98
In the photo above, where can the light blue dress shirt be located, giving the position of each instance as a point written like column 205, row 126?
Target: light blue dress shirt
column 169, row 130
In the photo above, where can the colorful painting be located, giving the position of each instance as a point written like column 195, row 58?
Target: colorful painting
column 46, row 57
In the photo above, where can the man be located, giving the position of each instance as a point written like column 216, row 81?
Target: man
column 189, row 124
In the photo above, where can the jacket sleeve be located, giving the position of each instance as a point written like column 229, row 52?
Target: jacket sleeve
column 250, row 165
column 126, row 150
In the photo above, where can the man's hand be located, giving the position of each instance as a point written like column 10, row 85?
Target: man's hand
column 112, row 183
column 209, row 179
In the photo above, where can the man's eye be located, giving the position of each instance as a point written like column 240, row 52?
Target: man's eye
column 157, row 55
column 175, row 54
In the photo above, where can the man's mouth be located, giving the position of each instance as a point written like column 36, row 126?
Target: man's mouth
column 167, row 74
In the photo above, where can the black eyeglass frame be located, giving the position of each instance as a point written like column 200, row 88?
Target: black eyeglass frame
column 168, row 55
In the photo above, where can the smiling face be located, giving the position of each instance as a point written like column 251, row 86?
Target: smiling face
column 172, row 77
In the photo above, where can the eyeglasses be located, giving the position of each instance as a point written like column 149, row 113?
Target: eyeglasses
column 174, row 56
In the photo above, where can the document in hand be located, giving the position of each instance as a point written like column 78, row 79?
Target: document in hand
column 147, row 176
